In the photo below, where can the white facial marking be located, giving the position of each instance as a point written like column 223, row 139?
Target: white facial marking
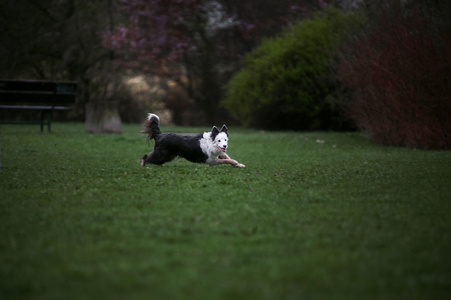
column 221, row 141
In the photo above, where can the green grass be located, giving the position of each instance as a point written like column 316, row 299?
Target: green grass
column 343, row 219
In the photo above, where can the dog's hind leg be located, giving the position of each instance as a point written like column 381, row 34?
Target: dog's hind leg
column 144, row 160
column 157, row 158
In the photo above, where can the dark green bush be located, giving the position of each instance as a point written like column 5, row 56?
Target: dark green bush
column 283, row 84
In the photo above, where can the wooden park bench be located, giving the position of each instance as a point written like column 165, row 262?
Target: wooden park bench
column 44, row 96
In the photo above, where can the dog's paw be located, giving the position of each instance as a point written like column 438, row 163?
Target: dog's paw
column 143, row 163
column 238, row 165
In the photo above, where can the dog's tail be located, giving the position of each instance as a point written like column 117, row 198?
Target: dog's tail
column 152, row 127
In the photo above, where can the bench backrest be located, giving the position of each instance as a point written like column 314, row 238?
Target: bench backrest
column 37, row 91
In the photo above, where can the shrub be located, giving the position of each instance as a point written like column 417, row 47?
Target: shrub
column 283, row 82
column 399, row 73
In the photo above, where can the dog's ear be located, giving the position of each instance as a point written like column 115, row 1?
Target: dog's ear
column 224, row 129
column 214, row 132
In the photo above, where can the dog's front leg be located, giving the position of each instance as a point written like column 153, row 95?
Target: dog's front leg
column 235, row 163
column 225, row 159
column 224, row 156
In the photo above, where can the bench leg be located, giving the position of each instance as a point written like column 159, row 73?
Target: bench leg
column 42, row 120
column 49, row 119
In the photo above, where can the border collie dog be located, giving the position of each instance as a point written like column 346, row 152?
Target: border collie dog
column 207, row 147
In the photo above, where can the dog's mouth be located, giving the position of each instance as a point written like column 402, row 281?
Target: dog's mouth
column 223, row 149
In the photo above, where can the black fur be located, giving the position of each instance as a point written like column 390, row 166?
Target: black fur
column 170, row 145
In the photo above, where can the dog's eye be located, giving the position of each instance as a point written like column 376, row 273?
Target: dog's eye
column 219, row 141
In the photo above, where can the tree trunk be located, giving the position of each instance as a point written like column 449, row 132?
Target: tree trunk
column 103, row 117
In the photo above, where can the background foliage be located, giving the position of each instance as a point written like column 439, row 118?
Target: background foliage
column 192, row 46
column 284, row 83
column 196, row 45
column 398, row 69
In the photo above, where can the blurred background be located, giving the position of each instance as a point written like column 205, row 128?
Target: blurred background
column 379, row 66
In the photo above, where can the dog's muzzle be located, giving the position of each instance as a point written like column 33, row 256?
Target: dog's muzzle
column 223, row 148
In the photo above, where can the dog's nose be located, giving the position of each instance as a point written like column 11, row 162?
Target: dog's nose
column 225, row 146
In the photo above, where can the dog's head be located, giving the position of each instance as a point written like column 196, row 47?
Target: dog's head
column 220, row 137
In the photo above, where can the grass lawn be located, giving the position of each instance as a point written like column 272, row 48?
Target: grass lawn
column 312, row 216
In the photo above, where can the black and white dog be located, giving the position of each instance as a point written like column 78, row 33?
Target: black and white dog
column 207, row 147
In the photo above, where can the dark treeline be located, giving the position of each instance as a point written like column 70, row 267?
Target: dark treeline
column 67, row 39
